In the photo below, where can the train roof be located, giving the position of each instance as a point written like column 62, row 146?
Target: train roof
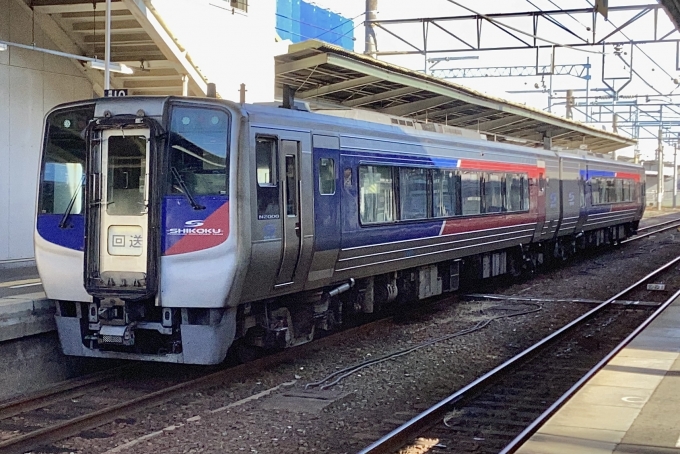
column 344, row 124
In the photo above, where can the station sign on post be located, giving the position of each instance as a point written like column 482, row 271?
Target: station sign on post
column 115, row 92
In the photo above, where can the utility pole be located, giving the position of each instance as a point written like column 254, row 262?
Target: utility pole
column 570, row 104
column 371, row 14
column 659, row 183
column 107, row 47
column 675, row 174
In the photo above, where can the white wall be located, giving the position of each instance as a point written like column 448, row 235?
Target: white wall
column 31, row 83
column 229, row 49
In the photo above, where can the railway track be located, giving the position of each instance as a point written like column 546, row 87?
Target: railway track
column 649, row 230
column 659, row 224
column 500, row 410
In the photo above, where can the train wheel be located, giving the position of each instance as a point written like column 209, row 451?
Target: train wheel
column 246, row 353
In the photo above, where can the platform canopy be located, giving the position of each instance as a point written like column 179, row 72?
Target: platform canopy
column 324, row 73
column 138, row 40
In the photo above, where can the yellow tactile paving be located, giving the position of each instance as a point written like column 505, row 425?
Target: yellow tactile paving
column 19, row 282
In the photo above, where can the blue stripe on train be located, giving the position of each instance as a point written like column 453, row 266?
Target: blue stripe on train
column 72, row 237
column 587, row 174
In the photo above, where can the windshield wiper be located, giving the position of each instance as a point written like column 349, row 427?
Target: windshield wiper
column 185, row 189
column 67, row 213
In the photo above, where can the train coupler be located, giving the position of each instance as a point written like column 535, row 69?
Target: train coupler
column 122, row 335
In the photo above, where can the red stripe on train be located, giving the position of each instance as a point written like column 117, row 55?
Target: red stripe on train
column 215, row 230
column 533, row 171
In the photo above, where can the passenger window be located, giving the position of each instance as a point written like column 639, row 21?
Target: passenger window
column 513, row 192
column 611, row 190
column 470, row 193
column 618, row 188
column 326, row 176
column 603, row 186
column 376, row 194
column 445, row 193
column 595, row 191
column 525, row 193
column 493, row 200
column 628, row 190
column 413, row 193
column 267, row 182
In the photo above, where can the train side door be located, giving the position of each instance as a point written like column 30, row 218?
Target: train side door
column 118, row 221
column 289, row 169
column 296, row 209
column 552, row 199
column 540, row 189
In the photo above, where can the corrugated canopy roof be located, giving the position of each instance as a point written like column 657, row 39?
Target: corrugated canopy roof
column 329, row 74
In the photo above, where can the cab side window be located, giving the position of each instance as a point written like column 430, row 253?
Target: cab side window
column 267, row 179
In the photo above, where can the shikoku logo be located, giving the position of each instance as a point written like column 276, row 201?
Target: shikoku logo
column 195, row 227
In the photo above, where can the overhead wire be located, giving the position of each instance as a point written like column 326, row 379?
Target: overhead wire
column 568, row 14
column 522, row 32
column 636, row 45
column 558, row 23
column 322, row 30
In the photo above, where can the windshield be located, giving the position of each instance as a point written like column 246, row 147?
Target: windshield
column 63, row 166
column 198, row 151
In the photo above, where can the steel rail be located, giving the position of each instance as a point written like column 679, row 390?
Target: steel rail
column 647, row 227
column 538, row 422
column 675, row 223
column 63, row 390
column 410, row 429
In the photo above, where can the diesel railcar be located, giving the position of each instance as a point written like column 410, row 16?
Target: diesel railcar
column 168, row 227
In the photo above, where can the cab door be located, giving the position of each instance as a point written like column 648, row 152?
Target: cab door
column 118, row 212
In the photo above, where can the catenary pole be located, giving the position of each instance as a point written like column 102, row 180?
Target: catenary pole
column 371, row 14
column 107, row 48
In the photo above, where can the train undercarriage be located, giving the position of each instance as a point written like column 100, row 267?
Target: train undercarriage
column 296, row 319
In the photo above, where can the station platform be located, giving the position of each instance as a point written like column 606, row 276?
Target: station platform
column 629, row 406
column 24, row 309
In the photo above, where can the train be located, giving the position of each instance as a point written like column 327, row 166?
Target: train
column 171, row 229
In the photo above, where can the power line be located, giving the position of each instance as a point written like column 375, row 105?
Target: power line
column 639, row 48
column 323, row 30
column 498, row 23
column 561, row 9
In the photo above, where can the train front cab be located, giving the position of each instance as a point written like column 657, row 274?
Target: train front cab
column 153, row 206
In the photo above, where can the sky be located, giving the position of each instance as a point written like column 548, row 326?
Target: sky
column 654, row 64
